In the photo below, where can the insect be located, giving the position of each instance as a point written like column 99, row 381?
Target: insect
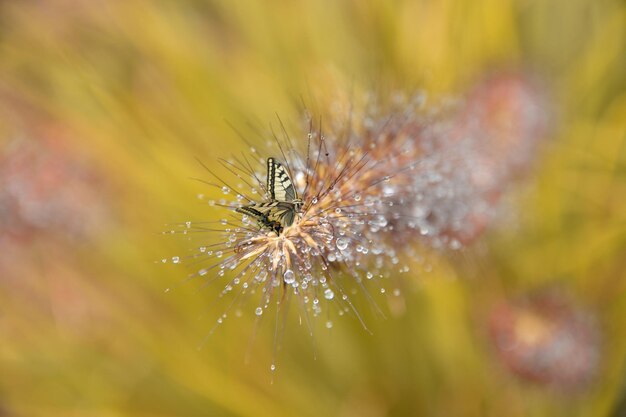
column 280, row 212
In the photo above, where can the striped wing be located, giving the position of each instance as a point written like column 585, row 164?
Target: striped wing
column 279, row 184
column 262, row 216
column 284, row 212
column 252, row 212
column 280, row 211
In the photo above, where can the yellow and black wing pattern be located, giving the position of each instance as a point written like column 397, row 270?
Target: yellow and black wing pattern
column 259, row 212
column 279, row 184
column 280, row 212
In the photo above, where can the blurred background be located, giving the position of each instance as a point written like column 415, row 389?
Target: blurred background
column 106, row 106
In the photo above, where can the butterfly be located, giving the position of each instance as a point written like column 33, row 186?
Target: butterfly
column 280, row 212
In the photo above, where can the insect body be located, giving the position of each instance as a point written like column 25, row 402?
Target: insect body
column 280, row 212
column 261, row 218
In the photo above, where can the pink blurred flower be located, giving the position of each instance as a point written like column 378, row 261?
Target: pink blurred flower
column 547, row 339
column 45, row 187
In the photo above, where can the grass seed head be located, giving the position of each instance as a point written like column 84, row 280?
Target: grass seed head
column 375, row 187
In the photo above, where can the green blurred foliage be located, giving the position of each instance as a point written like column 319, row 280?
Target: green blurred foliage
column 142, row 88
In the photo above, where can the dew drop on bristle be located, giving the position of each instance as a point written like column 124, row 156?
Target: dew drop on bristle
column 289, row 277
column 342, row 243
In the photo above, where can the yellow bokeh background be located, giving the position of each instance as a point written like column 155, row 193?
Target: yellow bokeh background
column 143, row 88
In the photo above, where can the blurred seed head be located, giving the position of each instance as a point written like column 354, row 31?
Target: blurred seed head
column 547, row 339
column 46, row 189
column 52, row 201
column 473, row 157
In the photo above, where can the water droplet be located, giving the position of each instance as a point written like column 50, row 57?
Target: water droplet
column 314, row 200
column 225, row 190
column 329, row 294
column 342, row 243
column 167, row 290
column 329, row 324
column 272, row 367
column 455, row 244
column 289, row 277
column 258, row 311
column 175, row 259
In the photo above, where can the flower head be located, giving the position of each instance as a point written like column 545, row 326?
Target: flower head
column 325, row 214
